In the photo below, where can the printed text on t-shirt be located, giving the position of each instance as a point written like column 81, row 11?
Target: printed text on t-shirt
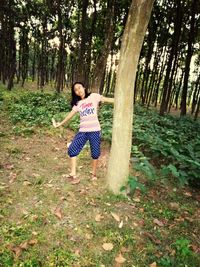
column 87, row 109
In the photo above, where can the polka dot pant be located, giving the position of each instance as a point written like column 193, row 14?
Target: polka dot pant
column 80, row 140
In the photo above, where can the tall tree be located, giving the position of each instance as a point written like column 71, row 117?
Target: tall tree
column 99, row 70
column 191, row 39
column 172, row 56
column 80, row 75
column 118, row 166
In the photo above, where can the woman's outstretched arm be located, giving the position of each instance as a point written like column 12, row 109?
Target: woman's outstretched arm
column 107, row 100
column 66, row 119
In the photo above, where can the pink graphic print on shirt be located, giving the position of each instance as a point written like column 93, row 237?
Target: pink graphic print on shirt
column 86, row 109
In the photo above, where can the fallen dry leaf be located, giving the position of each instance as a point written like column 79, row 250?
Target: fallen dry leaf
column 174, row 206
column 115, row 216
column 63, row 198
column 71, row 194
column 159, row 223
column 152, row 238
column 36, row 175
column 154, row 264
column 75, row 181
column 82, row 192
column 9, row 166
column 34, row 217
column 12, row 177
column 124, row 250
column 17, row 251
column 49, row 185
column 24, row 245
column 57, row 212
column 26, row 183
column 34, row 233
column 188, row 194
column 121, row 224
column 32, row 242
column 107, row 246
column 98, row 217
column 136, row 199
column 189, row 219
column 89, row 236
column 120, row 258
column 195, row 248
column 77, row 252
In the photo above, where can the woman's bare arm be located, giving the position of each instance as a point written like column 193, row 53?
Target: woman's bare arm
column 107, row 100
column 67, row 118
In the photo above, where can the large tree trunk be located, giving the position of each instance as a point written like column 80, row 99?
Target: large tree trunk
column 118, row 166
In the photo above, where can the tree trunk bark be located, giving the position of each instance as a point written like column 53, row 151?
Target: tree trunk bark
column 11, row 49
column 102, row 60
column 118, row 166
column 80, row 75
column 195, row 95
column 175, row 40
column 188, row 59
column 61, row 54
column 197, row 110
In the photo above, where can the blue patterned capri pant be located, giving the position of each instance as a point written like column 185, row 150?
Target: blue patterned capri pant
column 80, row 140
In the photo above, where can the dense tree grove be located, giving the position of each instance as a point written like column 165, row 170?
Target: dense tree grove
column 60, row 41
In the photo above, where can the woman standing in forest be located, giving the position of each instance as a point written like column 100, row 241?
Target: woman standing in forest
column 87, row 106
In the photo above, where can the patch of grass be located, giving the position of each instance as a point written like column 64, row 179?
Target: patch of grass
column 6, row 258
column 23, row 131
column 111, row 198
column 167, row 213
column 61, row 257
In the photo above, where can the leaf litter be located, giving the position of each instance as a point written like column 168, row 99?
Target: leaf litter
column 88, row 205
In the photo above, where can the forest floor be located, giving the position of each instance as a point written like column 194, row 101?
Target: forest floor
column 46, row 220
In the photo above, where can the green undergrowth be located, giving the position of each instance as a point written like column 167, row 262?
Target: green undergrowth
column 162, row 146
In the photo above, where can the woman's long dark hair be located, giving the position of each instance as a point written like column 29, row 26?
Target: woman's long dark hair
column 76, row 98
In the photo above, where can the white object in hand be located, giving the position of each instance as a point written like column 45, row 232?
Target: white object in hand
column 54, row 122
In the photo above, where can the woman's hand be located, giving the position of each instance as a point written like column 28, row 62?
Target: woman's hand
column 55, row 124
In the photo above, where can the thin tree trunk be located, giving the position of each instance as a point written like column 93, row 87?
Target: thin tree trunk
column 102, row 60
column 82, row 51
column 197, row 110
column 175, row 40
column 11, row 48
column 60, row 65
column 188, row 59
column 159, row 78
column 195, row 95
column 89, row 47
column 33, row 62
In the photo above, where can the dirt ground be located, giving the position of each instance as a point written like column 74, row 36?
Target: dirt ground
column 47, row 220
